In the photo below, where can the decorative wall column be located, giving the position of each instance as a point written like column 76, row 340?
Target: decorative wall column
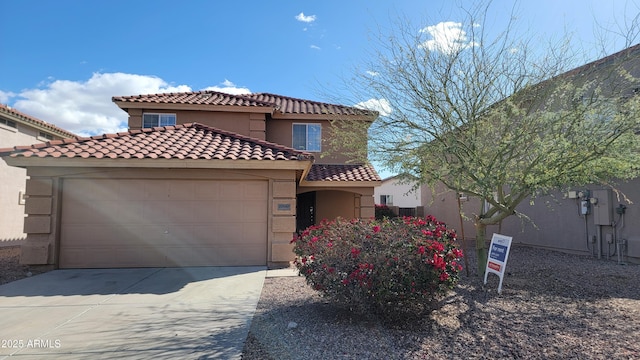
column 283, row 220
column 40, row 223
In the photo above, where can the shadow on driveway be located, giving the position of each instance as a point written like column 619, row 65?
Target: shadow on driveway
column 159, row 313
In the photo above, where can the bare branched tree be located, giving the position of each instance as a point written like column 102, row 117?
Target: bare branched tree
column 496, row 117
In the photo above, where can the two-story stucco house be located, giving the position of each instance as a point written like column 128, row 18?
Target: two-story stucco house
column 17, row 128
column 200, row 178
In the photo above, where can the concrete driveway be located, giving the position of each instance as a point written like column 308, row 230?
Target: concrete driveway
column 158, row 313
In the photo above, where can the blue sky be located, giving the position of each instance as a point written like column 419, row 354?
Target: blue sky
column 62, row 61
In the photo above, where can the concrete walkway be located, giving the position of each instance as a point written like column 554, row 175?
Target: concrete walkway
column 167, row 313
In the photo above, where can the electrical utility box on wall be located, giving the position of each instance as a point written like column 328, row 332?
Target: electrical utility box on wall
column 603, row 207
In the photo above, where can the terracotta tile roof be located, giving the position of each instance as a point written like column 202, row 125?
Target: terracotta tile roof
column 289, row 105
column 342, row 172
column 270, row 102
column 13, row 113
column 188, row 141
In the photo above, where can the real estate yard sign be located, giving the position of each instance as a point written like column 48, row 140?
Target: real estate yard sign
column 498, row 255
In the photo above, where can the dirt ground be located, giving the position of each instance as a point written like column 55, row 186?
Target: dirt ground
column 10, row 268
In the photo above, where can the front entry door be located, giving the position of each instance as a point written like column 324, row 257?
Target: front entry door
column 305, row 210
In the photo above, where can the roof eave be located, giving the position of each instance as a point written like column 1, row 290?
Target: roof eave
column 49, row 128
column 25, row 162
column 340, row 184
column 125, row 105
column 296, row 116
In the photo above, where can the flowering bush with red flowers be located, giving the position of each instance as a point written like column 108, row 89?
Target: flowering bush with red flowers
column 381, row 266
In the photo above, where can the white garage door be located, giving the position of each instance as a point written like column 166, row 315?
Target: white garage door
column 163, row 223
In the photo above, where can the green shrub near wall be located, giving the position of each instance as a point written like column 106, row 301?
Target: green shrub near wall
column 383, row 211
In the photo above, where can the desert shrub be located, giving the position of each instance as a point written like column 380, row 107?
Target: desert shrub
column 383, row 211
column 385, row 267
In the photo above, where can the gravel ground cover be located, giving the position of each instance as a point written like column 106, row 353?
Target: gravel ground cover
column 553, row 306
column 10, row 268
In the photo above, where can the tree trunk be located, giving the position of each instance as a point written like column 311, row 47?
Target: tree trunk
column 481, row 247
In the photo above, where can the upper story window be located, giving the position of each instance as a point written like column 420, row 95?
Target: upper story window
column 9, row 123
column 152, row 120
column 44, row 136
column 307, row 137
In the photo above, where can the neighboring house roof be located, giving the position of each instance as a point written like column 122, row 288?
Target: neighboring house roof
column 16, row 115
column 260, row 101
column 342, row 172
column 188, row 141
column 627, row 52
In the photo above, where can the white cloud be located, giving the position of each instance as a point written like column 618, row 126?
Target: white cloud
column 372, row 73
column 315, row 47
column 307, row 19
column 380, row 105
column 448, row 37
column 229, row 87
column 85, row 107
column 5, row 96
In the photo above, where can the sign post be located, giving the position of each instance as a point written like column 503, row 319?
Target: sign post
column 498, row 255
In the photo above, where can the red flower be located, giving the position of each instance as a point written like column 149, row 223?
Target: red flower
column 421, row 249
column 457, row 253
column 437, row 246
column 444, row 276
column 330, row 244
column 376, row 229
column 314, row 239
column 355, row 252
column 438, row 262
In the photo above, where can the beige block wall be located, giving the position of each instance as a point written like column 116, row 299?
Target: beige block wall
column 12, row 185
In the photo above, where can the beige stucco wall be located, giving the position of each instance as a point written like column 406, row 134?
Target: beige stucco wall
column 12, row 183
column 248, row 124
column 43, row 226
column 280, row 131
column 554, row 221
column 348, row 203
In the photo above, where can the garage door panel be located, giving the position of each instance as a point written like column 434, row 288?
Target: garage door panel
column 206, row 211
column 133, row 190
column 123, row 212
column 155, row 212
column 79, row 212
column 230, row 190
column 183, row 190
column 157, row 223
column 208, row 190
column 253, row 211
column 220, row 255
column 138, row 256
column 255, row 191
column 180, row 212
